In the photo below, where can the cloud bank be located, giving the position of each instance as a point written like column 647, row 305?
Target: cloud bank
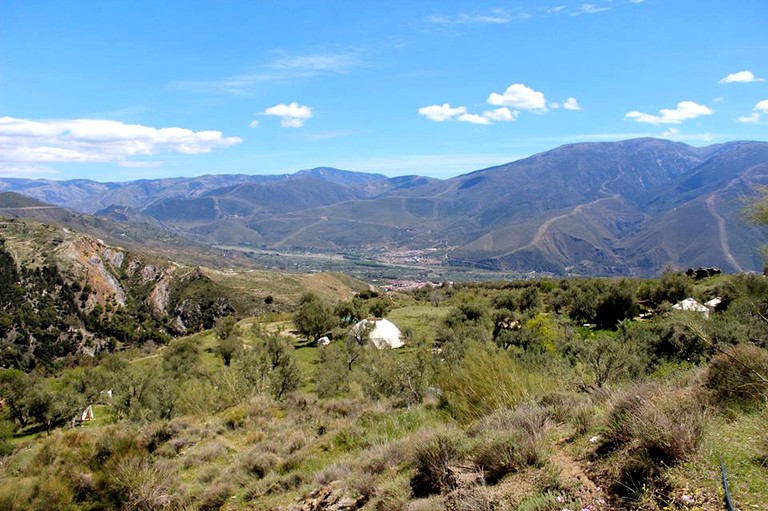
column 93, row 140
column 685, row 110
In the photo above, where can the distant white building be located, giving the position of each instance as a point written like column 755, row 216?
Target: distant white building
column 383, row 333
column 690, row 304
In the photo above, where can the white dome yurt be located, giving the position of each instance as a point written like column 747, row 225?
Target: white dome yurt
column 383, row 333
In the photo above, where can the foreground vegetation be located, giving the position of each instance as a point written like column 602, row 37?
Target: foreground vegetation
column 531, row 395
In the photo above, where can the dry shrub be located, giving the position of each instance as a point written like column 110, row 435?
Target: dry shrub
column 15, row 496
column 382, row 456
column 362, row 485
column 543, row 502
column 51, row 493
column 343, row 407
column 739, row 375
column 504, row 453
column 670, row 428
column 655, row 431
column 273, row 483
column 428, row 504
column 215, row 496
column 575, row 409
column 432, row 459
column 154, row 435
column 205, row 453
column 469, row 499
column 144, row 485
column 337, row 471
column 620, row 425
column 258, row 462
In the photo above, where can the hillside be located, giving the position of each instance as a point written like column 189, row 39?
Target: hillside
column 629, row 208
column 66, row 294
column 501, row 399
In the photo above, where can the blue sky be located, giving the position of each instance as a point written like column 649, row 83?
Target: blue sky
column 123, row 90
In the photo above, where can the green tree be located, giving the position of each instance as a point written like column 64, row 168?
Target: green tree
column 181, row 358
column 226, row 326
column 14, row 385
column 229, row 338
column 269, row 367
column 314, row 317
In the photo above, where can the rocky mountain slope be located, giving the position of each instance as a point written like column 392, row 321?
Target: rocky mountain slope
column 630, row 207
column 65, row 294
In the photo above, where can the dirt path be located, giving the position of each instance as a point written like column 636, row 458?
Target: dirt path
column 722, row 231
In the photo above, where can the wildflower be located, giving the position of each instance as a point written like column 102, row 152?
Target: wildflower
column 687, row 499
column 560, row 499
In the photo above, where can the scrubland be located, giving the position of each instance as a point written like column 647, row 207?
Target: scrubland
column 529, row 395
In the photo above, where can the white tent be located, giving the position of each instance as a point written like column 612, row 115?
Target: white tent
column 689, row 304
column 87, row 414
column 383, row 333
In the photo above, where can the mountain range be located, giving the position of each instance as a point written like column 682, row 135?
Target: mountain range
column 632, row 207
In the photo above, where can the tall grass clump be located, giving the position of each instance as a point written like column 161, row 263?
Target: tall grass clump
column 488, row 379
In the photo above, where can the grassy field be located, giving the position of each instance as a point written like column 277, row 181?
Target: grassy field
column 423, row 320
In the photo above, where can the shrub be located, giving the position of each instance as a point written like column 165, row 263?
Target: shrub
column 499, row 455
column 215, row 496
column 658, row 430
column 144, row 485
column 488, row 379
column 432, row 458
column 258, row 463
column 739, row 375
column 475, row 498
column 670, row 428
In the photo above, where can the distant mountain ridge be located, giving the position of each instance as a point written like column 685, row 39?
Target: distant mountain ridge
column 630, row 207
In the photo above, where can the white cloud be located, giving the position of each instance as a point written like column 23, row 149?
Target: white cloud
column 718, row 99
column 671, row 132
column 291, row 122
column 494, row 17
column 753, row 117
column 558, row 8
column 473, row 119
column 254, row 123
column 685, row 110
column 571, row 104
column 501, row 115
column 293, row 115
column 589, row 9
column 93, row 140
column 759, row 109
column 291, row 110
column 519, row 96
column 636, row 1
column 741, row 77
column 440, row 113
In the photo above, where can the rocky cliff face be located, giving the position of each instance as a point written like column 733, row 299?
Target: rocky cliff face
column 69, row 294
